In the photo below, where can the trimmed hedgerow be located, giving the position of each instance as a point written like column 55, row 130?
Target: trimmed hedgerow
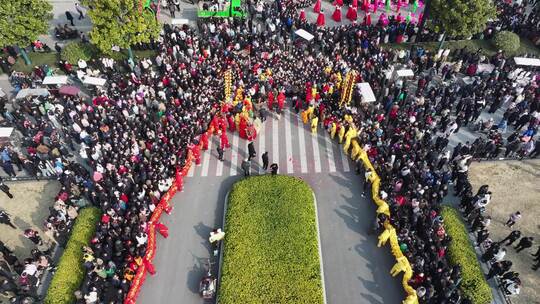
column 74, row 51
column 507, row 42
column 70, row 272
column 271, row 247
column 461, row 252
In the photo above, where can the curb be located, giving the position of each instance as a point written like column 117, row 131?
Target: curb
column 221, row 245
column 320, row 247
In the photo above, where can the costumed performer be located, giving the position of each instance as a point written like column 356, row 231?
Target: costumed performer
column 314, row 124
column 321, row 19
column 317, row 8
column 204, row 140
column 224, row 140
column 302, row 15
column 270, row 100
column 351, row 13
column 337, row 14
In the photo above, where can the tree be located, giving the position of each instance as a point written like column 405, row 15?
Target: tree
column 22, row 21
column 460, row 17
column 121, row 23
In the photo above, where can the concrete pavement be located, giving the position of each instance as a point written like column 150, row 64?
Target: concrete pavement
column 355, row 270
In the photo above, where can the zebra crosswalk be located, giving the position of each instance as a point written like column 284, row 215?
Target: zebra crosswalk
column 289, row 143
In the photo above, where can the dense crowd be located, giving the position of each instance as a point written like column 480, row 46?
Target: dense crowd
column 121, row 150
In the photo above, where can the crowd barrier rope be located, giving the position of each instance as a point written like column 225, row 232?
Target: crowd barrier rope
column 155, row 225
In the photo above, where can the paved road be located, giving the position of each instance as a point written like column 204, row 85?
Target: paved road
column 356, row 271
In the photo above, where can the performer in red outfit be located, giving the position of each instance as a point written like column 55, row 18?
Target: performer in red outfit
column 281, row 100
column 351, row 13
column 338, row 2
column 242, row 128
column 179, row 181
column 302, row 15
column 355, row 4
column 224, row 141
column 270, row 101
column 214, row 125
column 317, row 8
column 321, row 19
column 225, row 107
column 365, row 6
column 204, row 141
column 232, row 125
column 337, row 14
column 367, row 19
column 222, row 123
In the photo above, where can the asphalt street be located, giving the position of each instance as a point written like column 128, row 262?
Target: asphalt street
column 355, row 270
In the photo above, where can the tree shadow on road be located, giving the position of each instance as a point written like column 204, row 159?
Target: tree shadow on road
column 379, row 285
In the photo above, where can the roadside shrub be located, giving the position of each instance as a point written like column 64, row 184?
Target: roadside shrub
column 74, row 51
column 271, row 244
column 70, row 272
column 506, row 41
column 461, row 252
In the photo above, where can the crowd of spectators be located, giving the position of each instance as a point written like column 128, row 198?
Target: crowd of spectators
column 121, row 149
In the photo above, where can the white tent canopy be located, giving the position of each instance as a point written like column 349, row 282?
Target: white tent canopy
column 31, row 92
column 304, row 34
column 527, row 61
column 6, row 132
column 179, row 21
column 485, row 68
column 367, row 92
column 405, row 73
column 94, row 81
column 55, row 80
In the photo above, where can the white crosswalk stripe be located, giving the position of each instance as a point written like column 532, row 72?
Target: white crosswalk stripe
column 275, row 141
column 329, row 152
column 316, row 154
column 262, row 147
column 344, row 160
column 319, row 154
column 191, row 171
column 302, row 145
column 219, row 168
column 234, row 154
column 288, row 143
column 206, row 159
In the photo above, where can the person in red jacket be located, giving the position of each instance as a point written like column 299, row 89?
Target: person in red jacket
column 281, row 101
column 270, row 100
column 224, row 141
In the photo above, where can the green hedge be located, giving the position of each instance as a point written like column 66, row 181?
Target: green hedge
column 271, row 250
column 506, row 41
column 70, row 272
column 461, row 252
column 74, row 51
